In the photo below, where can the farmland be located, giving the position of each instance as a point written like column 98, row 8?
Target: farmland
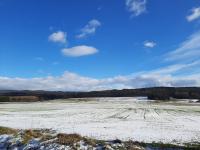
column 137, row 119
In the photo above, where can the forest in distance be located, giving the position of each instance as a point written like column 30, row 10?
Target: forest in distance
column 154, row 93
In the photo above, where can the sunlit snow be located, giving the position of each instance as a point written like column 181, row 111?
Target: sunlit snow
column 109, row 118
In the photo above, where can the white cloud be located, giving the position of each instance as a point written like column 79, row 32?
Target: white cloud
column 189, row 50
column 188, row 53
column 195, row 14
column 150, row 44
column 89, row 29
column 58, row 37
column 73, row 82
column 78, row 51
column 136, row 7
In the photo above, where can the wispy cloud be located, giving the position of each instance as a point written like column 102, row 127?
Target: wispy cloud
column 89, row 29
column 195, row 14
column 39, row 58
column 136, row 7
column 150, row 44
column 175, row 68
column 189, row 50
column 55, row 63
column 78, row 51
column 165, row 76
column 58, row 37
column 99, row 8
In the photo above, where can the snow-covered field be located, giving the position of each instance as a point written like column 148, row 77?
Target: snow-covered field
column 109, row 118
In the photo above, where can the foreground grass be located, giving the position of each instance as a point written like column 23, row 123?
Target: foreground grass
column 162, row 146
column 5, row 130
column 71, row 139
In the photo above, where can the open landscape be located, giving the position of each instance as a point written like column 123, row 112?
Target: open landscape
column 99, row 75
column 137, row 119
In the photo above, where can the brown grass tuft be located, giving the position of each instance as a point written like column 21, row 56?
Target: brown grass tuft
column 47, row 137
column 5, row 130
column 30, row 134
column 68, row 139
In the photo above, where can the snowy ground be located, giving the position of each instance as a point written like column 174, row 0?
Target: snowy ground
column 109, row 118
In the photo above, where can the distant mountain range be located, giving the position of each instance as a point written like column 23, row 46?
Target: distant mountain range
column 155, row 93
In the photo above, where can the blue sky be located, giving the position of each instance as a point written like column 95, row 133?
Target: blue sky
column 99, row 44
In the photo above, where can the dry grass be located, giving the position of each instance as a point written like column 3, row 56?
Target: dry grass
column 5, row 130
column 71, row 139
column 47, row 137
column 30, row 134
column 93, row 142
column 68, row 139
